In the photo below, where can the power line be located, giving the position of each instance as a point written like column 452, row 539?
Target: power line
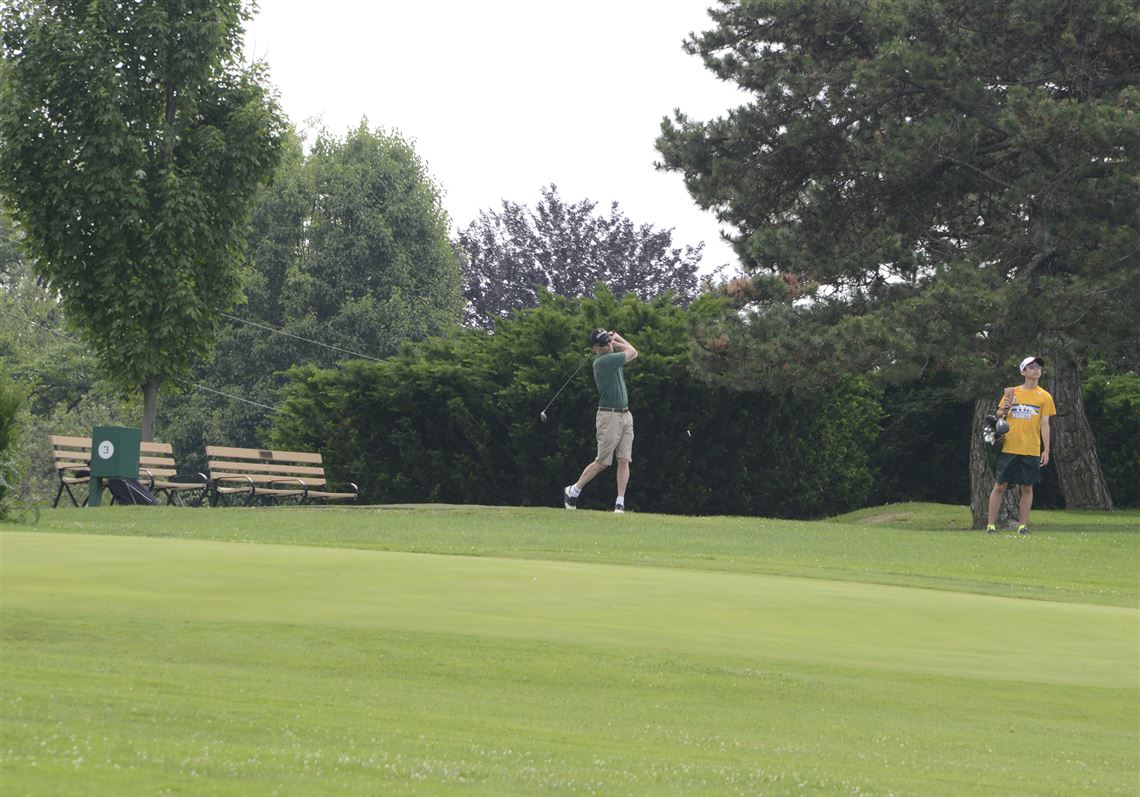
column 235, row 398
column 44, row 327
column 180, row 381
column 271, row 329
column 298, row 337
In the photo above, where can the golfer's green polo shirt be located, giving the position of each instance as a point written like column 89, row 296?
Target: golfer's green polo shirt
column 610, row 379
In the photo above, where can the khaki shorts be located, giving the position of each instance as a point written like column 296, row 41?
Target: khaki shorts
column 615, row 436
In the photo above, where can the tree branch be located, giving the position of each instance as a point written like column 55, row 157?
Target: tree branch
column 979, row 172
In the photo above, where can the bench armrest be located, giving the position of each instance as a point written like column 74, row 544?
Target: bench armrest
column 300, row 481
column 331, row 485
column 276, row 484
column 233, row 477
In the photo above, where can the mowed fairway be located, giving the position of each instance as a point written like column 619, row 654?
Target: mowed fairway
column 491, row 651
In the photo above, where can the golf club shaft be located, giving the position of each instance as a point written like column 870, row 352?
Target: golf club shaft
column 564, row 384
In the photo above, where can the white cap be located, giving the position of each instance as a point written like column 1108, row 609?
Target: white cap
column 1025, row 363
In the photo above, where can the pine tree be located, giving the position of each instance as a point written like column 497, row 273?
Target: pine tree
column 924, row 183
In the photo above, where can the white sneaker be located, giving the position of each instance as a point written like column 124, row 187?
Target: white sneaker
column 619, row 509
column 568, row 501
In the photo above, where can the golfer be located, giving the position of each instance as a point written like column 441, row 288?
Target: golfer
column 1025, row 447
column 614, row 421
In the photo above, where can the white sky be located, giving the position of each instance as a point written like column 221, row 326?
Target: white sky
column 502, row 97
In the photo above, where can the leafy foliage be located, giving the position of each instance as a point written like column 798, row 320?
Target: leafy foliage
column 348, row 247
column 1112, row 403
column 566, row 249
column 51, row 364
column 10, row 401
column 922, row 453
column 133, row 141
column 375, row 267
column 948, row 182
column 456, row 420
column 57, row 374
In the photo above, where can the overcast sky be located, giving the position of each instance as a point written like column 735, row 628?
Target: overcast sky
column 502, row 97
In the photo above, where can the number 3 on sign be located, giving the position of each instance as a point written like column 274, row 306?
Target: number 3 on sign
column 106, row 449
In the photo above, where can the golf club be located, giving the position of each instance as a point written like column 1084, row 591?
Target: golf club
column 564, row 384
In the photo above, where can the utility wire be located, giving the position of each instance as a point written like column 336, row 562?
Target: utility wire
column 44, row 327
column 224, row 315
column 235, row 398
column 180, row 381
column 298, row 337
column 270, row 329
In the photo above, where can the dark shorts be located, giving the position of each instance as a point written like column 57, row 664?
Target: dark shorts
column 1017, row 469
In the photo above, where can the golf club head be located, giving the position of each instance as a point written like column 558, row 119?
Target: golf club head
column 543, row 416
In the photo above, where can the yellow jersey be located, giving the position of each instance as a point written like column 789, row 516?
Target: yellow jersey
column 1029, row 407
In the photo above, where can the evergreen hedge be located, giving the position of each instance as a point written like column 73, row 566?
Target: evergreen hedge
column 456, row 420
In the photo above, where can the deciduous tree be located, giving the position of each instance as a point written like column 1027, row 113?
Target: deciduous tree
column 132, row 141
column 374, row 267
column 567, row 249
column 347, row 247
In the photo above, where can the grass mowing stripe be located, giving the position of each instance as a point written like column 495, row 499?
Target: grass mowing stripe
column 894, row 628
column 1083, row 557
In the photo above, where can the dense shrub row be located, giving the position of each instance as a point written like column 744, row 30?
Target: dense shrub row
column 457, row 420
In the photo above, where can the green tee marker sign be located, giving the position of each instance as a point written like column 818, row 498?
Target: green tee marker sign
column 114, row 455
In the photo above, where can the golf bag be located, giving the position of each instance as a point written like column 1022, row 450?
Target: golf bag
column 130, row 491
column 995, row 427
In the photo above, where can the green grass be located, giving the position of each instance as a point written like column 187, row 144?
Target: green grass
column 547, row 652
column 1084, row 557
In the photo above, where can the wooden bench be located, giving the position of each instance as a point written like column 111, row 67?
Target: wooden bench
column 157, row 470
column 260, row 476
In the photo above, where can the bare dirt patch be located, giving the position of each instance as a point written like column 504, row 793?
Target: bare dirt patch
column 887, row 517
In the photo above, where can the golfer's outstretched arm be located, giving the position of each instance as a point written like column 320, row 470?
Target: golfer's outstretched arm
column 624, row 346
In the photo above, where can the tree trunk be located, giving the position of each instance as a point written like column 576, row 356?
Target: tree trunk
column 982, row 476
column 1073, row 446
column 150, row 409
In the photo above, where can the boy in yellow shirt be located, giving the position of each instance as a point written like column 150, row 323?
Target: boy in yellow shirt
column 1025, row 448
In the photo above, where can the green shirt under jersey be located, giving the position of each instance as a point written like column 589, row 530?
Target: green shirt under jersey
column 610, row 380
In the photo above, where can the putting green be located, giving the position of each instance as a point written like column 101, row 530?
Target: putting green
column 693, row 613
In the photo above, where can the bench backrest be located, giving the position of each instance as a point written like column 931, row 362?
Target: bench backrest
column 74, row 453
column 264, row 466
